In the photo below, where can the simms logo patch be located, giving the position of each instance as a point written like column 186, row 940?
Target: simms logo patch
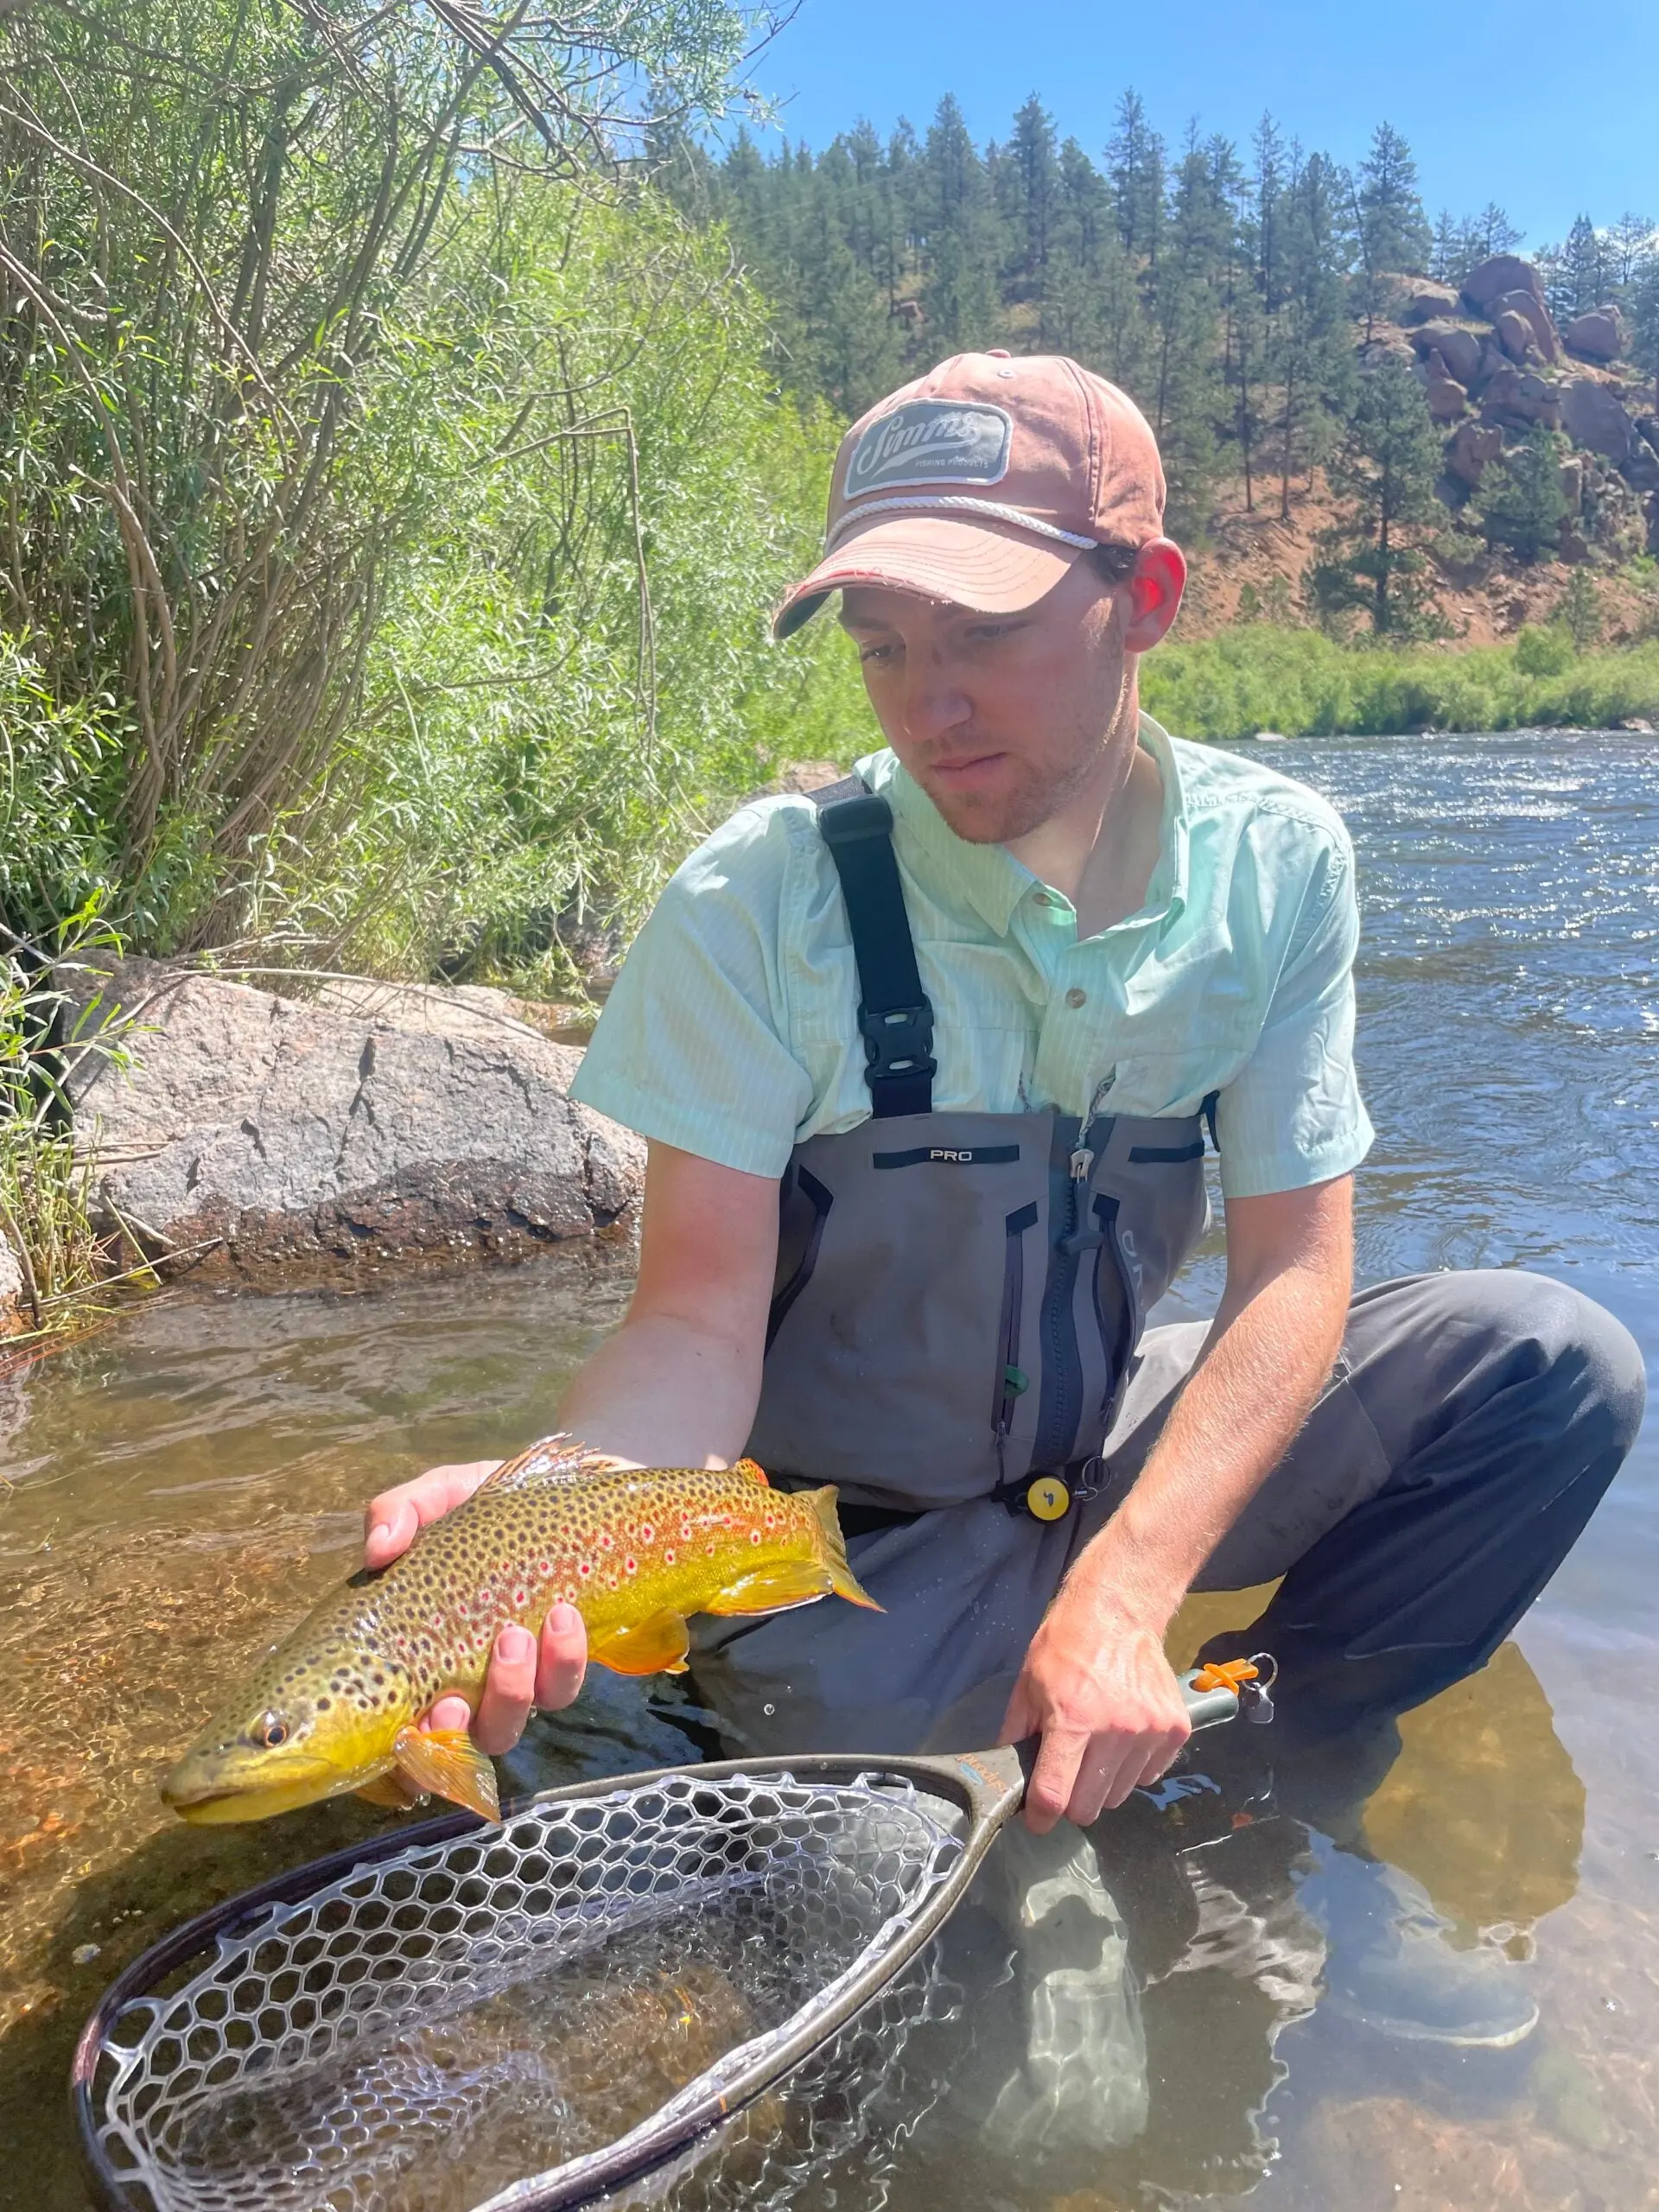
column 931, row 442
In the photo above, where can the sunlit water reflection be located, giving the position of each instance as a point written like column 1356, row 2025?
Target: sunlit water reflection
column 182, row 1486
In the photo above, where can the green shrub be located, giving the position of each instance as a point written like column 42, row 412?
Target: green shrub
column 1542, row 652
column 1302, row 683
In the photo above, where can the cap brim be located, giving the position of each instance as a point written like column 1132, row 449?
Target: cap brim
column 993, row 567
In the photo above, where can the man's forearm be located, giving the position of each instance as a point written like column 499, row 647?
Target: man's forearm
column 663, row 1392
column 1264, row 1366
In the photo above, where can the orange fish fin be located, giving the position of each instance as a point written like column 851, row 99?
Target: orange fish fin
column 387, row 1790
column 843, row 1581
column 560, row 1459
column 772, row 1588
column 656, row 1646
column 753, row 1470
column 448, row 1762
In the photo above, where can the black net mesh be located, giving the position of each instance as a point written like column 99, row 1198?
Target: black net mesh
column 428, row 2033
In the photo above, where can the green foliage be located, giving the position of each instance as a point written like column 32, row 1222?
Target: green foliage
column 1390, row 229
column 1542, row 652
column 47, row 1210
column 1462, row 245
column 59, row 791
column 1619, row 265
column 536, row 743
column 1302, row 683
column 1523, row 505
column 1373, row 559
column 376, row 451
column 1579, row 612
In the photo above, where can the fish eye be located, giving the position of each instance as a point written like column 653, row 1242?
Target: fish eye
column 272, row 1732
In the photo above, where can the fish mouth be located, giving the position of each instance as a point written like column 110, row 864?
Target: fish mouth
column 212, row 1803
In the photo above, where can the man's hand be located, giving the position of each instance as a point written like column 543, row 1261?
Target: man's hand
column 523, row 1674
column 1097, row 1688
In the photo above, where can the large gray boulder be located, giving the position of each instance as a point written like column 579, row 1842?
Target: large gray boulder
column 1529, row 310
column 1514, row 333
column 1519, row 399
column 1425, row 300
column 1447, row 400
column 1595, row 417
column 1469, row 454
column 13, row 1316
column 1598, row 336
column 1460, row 349
column 1503, row 273
column 302, row 1140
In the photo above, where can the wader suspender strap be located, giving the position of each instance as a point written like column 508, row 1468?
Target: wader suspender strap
column 894, row 1019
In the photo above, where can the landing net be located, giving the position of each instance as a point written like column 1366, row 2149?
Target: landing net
column 501, row 2017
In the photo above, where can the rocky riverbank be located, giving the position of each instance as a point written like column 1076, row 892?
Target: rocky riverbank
column 266, row 1139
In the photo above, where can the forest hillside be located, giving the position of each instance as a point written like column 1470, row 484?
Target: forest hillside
column 1265, row 306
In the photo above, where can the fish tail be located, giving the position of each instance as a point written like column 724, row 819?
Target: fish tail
column 843, row 1581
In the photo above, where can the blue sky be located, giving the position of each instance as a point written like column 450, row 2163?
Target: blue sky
column 1549, row 109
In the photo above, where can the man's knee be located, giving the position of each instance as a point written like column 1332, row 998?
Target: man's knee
column 1589, row 1361
column 1435, row 1349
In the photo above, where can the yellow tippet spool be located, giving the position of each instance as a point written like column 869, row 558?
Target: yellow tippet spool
column 1048, row 1498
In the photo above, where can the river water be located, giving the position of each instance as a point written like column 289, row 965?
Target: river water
column 179, row 1487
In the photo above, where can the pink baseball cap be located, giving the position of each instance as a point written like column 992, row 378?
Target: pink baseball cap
column 980, row 485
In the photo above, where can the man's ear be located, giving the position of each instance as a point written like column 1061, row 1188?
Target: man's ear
column 1156, row 587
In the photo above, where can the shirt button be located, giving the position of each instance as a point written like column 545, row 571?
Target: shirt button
column 1074, row 997
column 1042, row 899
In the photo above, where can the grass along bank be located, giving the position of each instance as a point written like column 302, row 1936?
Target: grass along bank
column 1303, row 684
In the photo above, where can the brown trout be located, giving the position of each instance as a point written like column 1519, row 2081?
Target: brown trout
column 635, row 1550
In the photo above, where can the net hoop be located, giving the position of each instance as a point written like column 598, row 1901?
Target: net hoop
column 982, row 1789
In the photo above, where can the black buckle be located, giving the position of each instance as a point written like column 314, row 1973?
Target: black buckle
column 847, row 821
column 899, row 1041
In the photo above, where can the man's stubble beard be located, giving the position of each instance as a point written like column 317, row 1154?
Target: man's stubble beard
column 1036, row 797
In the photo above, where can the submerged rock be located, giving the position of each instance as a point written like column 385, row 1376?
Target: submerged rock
column 312, row 1139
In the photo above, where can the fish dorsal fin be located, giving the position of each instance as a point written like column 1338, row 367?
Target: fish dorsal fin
column 755, row 1472
column 560, row 1459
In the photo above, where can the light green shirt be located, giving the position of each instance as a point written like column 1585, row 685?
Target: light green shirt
column 732, row 1031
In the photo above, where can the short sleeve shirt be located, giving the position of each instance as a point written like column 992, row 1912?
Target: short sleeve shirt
column 732, row 1030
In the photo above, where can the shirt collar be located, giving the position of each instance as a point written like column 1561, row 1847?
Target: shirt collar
column 990, row 878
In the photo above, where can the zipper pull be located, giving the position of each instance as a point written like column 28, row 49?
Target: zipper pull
column 1082, row 1161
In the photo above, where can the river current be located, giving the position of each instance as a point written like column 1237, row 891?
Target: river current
column 178, row 1487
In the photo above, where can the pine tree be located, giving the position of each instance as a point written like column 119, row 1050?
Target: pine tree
column 1576, row 274
column 1391, row 228
column 1579, row 611
column 957, row 237
column 1642, row 305
column 1185, row 392
column 1256, row 295
column 1373, row 560
column 1523, row 505
column 1136, row 165
column 1313, row 357
column 1630, row 243
column 1030, row 183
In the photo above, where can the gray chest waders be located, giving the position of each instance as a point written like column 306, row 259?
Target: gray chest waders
column 958, row 1296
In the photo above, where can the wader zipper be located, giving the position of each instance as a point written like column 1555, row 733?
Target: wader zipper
column 1118, row 1355
column 1061, row 1399
column 1011, row 1379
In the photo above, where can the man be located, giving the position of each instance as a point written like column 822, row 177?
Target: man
column 926, row 1069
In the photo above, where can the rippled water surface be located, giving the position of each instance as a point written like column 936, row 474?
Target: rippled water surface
column 181, row 1486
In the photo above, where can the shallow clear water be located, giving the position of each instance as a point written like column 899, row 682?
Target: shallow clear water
column 181, row 1486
